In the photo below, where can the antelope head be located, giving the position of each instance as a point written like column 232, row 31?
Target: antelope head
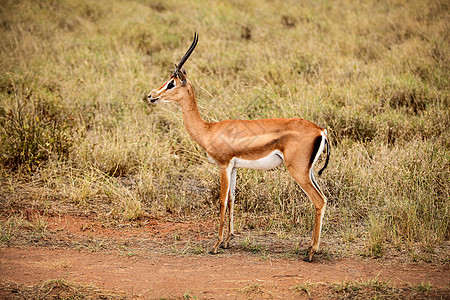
column 172, row 90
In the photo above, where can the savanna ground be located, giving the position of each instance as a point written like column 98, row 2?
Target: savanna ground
column 102, row 196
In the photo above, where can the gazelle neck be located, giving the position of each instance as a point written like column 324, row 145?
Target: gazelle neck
column 193, row 122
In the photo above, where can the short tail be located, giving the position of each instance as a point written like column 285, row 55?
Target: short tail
column 328, row 154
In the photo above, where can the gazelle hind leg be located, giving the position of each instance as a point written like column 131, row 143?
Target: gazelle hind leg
column 320, row 205
column 226, row 243
column 320, row 202
column 317, row 231
column 310, row 187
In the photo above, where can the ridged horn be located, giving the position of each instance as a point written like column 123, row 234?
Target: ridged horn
column 178, row 72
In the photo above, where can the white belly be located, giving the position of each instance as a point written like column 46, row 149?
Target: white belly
column 268, row 162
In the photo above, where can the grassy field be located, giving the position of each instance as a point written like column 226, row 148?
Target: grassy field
column 76, row 137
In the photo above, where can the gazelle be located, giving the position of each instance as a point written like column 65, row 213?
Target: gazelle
column 254, row 144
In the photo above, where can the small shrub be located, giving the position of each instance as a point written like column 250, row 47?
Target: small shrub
column 304, row 287
column 349, row 125
column 250, row 245
column 404, row 95
column 33, row 131
column 425, row 287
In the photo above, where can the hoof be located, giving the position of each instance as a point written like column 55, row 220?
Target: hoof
column 213, row 252
column 225, row 246
column 309, row 254
column 307, row 259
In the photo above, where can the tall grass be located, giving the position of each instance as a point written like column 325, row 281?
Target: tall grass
column 376, row 74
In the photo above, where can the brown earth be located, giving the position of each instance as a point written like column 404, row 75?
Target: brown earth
column 136, row 262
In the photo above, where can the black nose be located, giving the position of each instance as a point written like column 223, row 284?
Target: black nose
column 151, row 99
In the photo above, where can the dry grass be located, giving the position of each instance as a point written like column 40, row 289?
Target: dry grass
column 372, row 289
column 58, row 289
column 75, row 134
column 375, row 289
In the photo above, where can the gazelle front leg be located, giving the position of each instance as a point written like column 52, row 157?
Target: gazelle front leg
column 225, row 174
column 226, row 243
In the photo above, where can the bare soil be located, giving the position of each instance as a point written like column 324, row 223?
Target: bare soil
column 163, row 259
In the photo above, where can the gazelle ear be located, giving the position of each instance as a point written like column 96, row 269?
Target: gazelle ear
column 181, row 74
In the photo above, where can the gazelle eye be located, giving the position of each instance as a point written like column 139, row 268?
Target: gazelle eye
column 170, row 85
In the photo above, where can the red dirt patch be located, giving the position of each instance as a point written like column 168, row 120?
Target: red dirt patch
column 203, row 276
column 134, row 265
column 149, row 228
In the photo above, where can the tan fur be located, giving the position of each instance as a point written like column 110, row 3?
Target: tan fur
column 229, row 140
